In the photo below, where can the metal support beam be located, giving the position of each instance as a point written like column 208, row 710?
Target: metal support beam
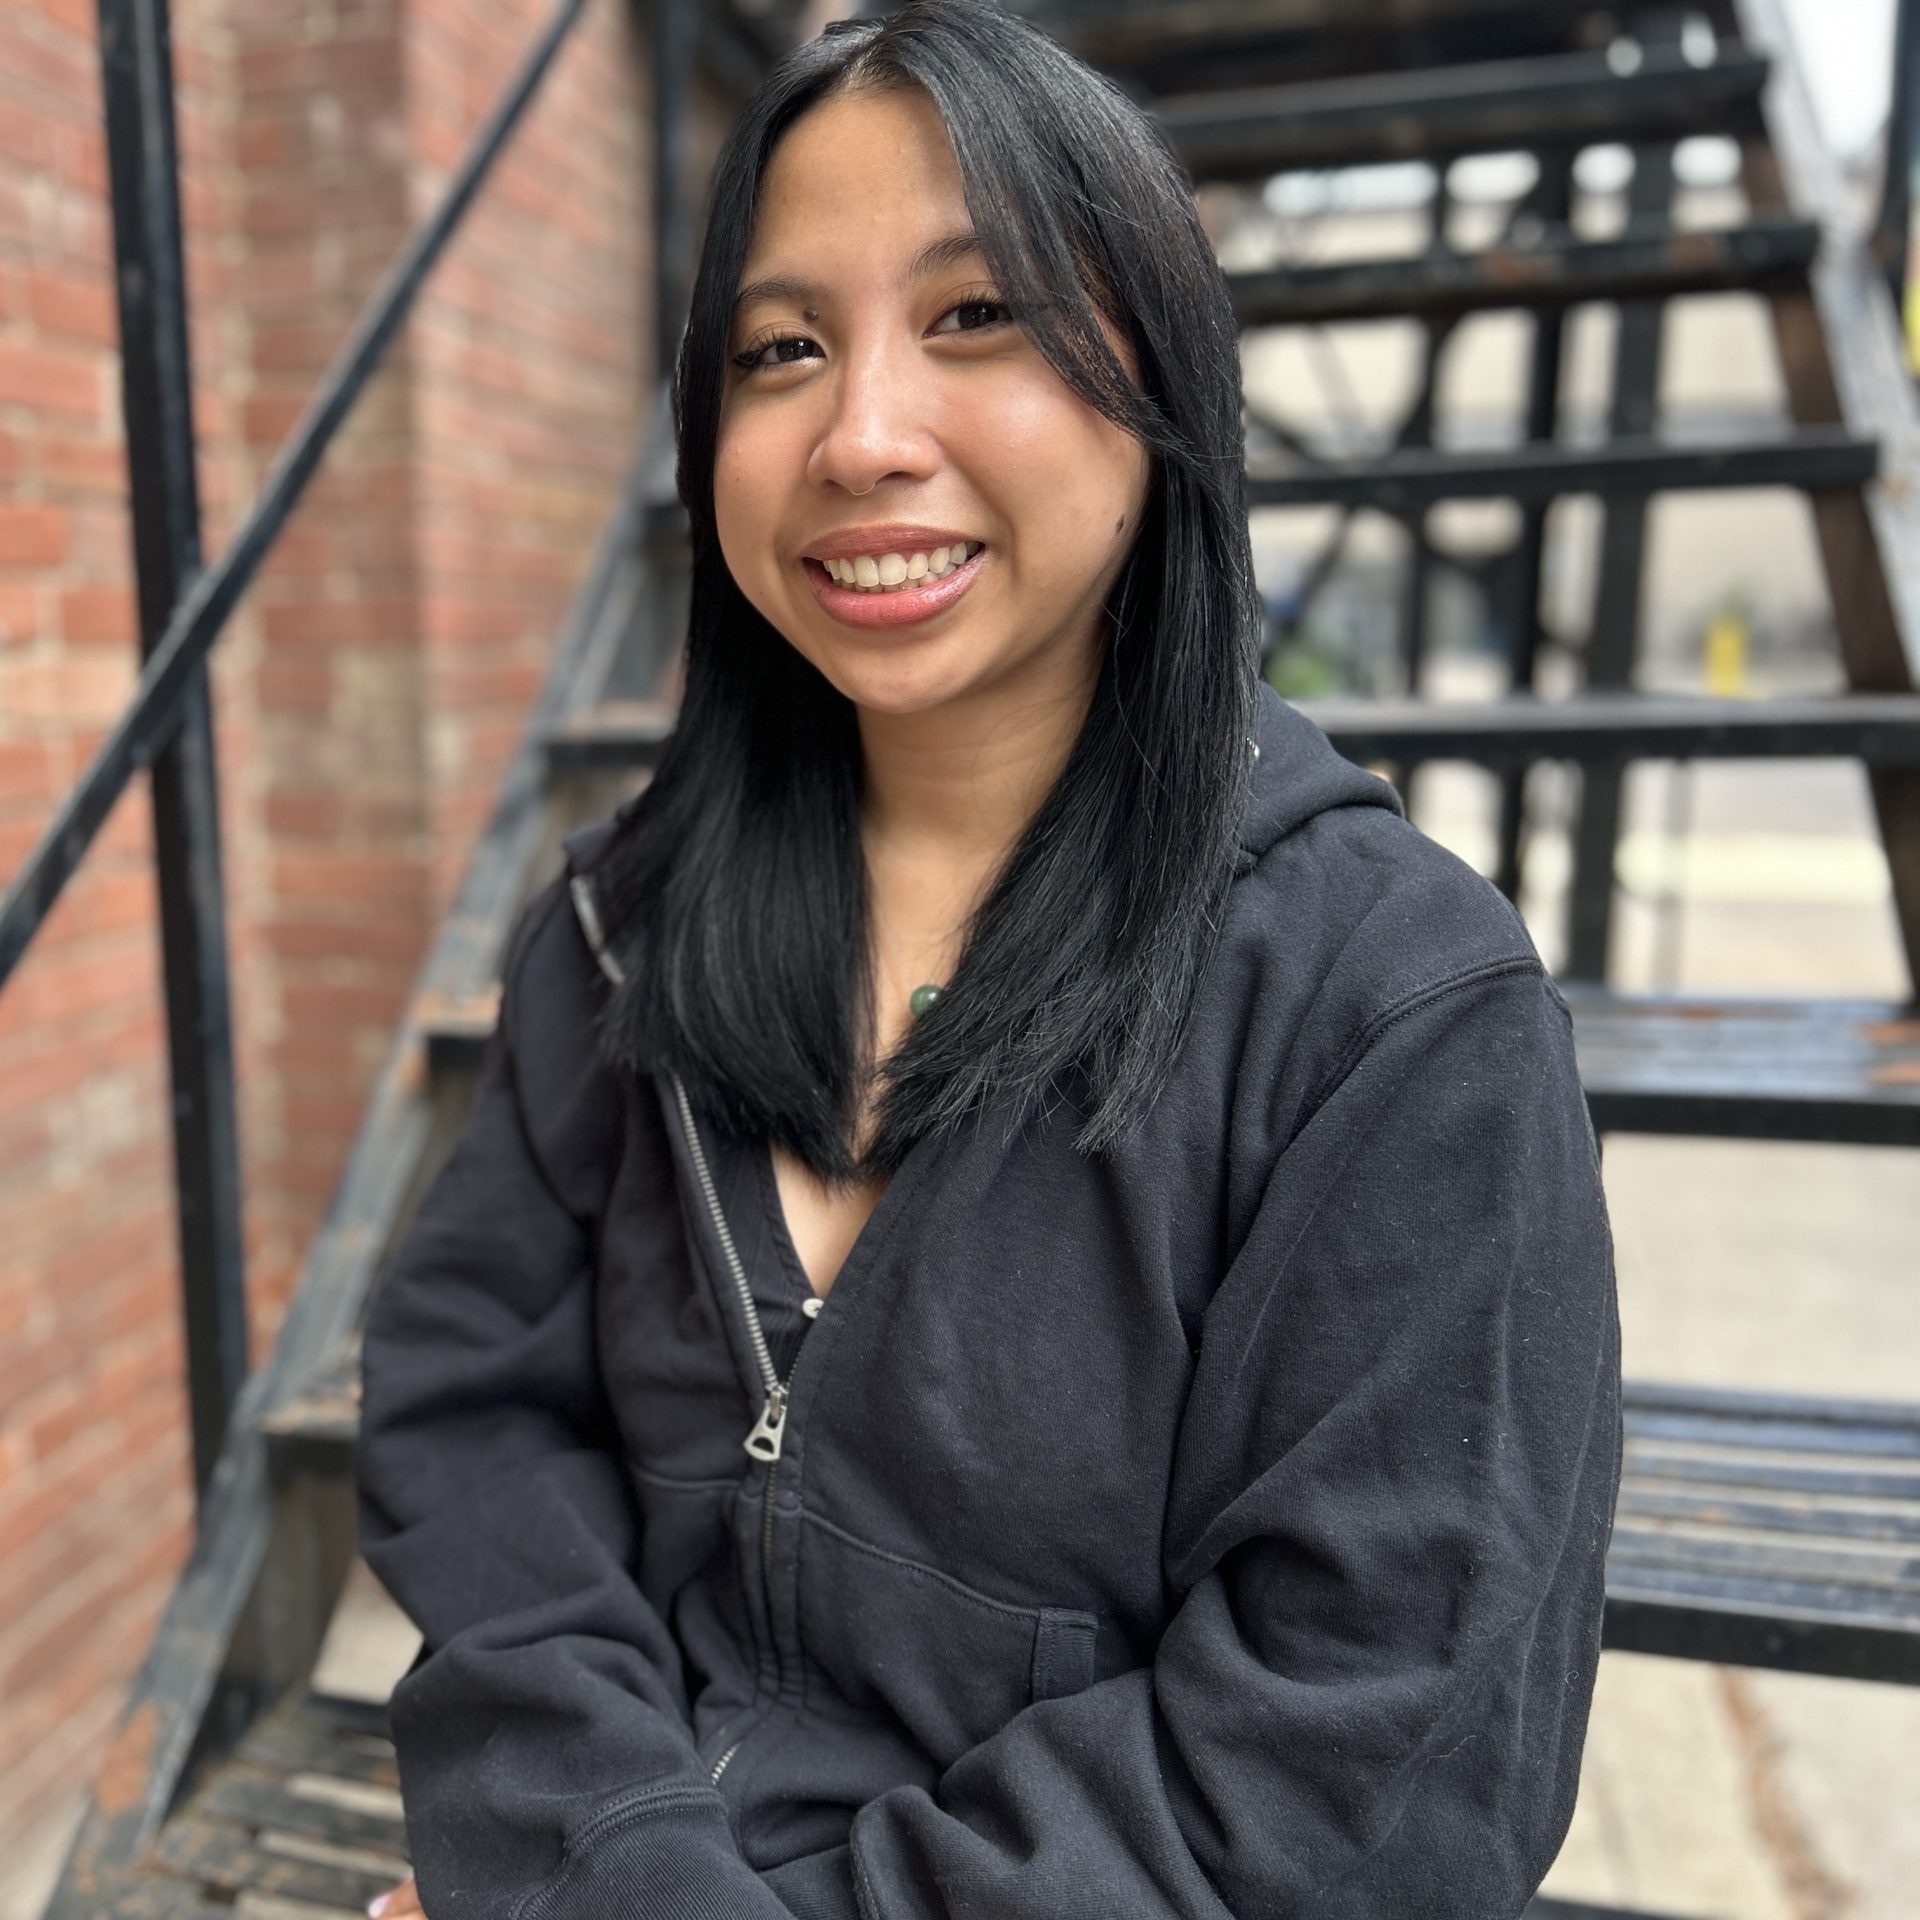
column 1843, row 357
column 1524, row 634
column 157, row 397
column 1893, row 226
column 676, row 37
column 1418, row 578
column 1614, row 644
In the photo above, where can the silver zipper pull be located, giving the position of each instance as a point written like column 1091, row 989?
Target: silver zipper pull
column 764, row 1441
column 811, row 1306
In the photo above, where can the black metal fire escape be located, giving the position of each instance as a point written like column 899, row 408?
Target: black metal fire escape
column 1757, row 1529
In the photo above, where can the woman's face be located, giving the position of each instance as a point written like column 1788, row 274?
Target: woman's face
column 891, row 409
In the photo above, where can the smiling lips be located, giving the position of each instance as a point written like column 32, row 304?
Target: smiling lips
column 889, row 572
column 891, row 575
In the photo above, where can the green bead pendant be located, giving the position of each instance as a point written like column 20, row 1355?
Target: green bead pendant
column 920, row 999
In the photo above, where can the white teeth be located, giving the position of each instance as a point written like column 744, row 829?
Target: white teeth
column 891, row 572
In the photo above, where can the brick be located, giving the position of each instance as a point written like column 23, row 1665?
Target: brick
column 100, row 616
column 296, row 684
column 71, row 307
column 326, row 811
column 396, row 943
column 58, row 1416
column 32, row 536
column 365, row 620
column 91, row 686
column 83, row 463
column 80, row 18
column 52, row 380
column 19, row 610
column 364, row 879
column 79, row 985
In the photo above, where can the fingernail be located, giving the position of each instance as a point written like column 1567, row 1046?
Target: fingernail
column 377, row 1907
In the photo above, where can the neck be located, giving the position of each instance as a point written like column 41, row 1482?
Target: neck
column 954, row 786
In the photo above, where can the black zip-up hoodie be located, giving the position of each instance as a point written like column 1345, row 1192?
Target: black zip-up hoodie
column 1216, row 1529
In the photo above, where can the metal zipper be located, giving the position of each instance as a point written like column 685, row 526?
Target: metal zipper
column 764, row 1441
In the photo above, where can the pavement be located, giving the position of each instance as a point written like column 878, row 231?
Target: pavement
column 1706, row 1792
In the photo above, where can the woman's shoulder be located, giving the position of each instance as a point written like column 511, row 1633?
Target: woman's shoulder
column 1344, row 916
column 1338, row 886
column 555, row 983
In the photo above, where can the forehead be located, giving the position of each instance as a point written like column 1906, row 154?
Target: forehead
column 855, row 161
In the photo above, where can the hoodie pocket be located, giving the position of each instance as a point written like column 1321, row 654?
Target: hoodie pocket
column 910, row 1643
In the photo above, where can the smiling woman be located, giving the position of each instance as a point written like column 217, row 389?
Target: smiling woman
column 1023, row 1326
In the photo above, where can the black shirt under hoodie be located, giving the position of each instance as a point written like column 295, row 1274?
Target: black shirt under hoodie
column 1212, row 1529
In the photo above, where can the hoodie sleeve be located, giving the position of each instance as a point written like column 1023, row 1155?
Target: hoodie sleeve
column 1391, row 1508
column 493, row 1505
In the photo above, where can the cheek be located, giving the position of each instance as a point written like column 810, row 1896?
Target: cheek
column 739, row 482
column 1070, row 476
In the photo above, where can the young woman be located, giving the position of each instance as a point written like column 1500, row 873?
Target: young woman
column 1023, row 1326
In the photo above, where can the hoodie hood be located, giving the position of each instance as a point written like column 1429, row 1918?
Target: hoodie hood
column 1298, row 773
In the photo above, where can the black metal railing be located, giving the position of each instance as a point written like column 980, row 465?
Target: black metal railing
column 184, row 607
column 1893, row 225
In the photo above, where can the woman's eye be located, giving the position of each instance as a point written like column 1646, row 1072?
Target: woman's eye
column 754, row 359
column 987, row 306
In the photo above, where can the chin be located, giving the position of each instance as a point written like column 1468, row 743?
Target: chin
column 896, row 674
column 897, row 693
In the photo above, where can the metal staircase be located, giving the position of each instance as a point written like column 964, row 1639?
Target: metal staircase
column 1762, row 1530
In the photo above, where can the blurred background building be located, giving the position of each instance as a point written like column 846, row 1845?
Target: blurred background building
column 366, row 698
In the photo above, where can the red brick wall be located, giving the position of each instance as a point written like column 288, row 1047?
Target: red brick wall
column 366, row 695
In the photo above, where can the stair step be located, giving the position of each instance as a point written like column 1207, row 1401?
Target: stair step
column 1606, row 728
column 580, row 744
column 1845, row 1071
column 1556, row 100
column 457, row 1030
column 1190, row 47
column 1651, row 261
column 1813, row 459
column 1727, row 1546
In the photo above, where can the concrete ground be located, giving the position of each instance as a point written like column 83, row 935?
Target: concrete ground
column 1730, row 1796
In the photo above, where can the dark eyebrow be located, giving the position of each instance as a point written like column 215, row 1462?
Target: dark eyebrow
column 932, row 258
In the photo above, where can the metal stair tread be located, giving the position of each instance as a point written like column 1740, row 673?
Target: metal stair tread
column 1605, row 726
column 1542, row 100
column 1811, row 459
column 1649, row 260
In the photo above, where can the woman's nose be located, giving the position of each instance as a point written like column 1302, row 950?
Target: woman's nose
column 876, row 430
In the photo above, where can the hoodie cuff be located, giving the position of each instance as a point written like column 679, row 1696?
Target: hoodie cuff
column 674, row 1853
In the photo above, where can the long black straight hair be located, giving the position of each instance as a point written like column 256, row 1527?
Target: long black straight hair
column 735, row 889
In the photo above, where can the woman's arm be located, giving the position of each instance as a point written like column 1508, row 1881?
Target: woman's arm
column 493, row 1505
